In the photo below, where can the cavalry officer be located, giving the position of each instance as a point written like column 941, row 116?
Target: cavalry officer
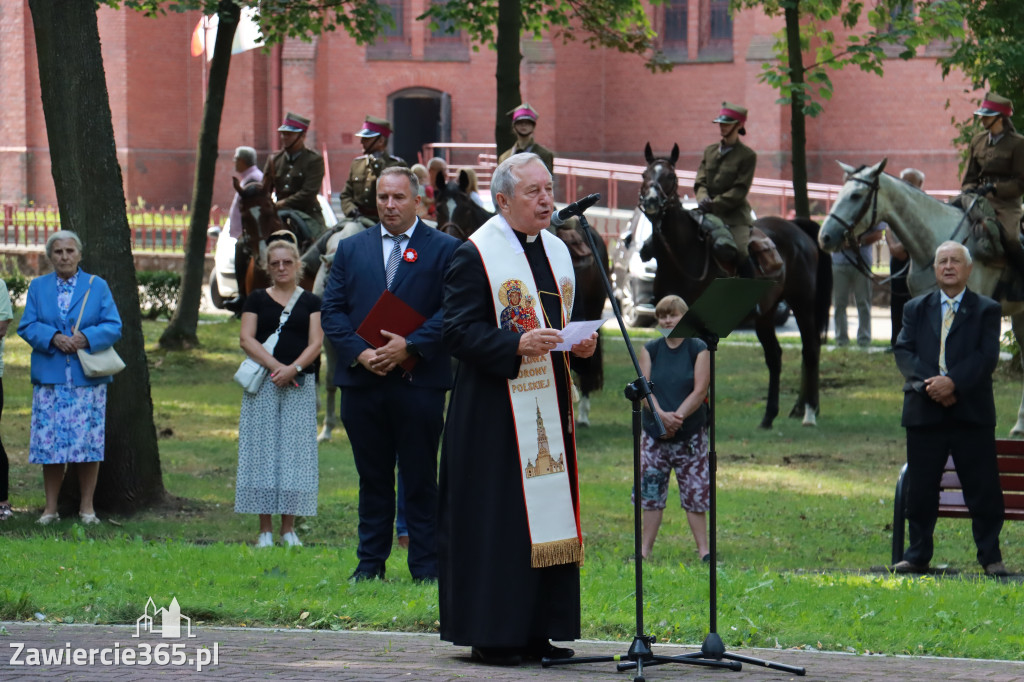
column 524, row 121
column 359, row 198
column 724, row 178
column 995, row 168
column 298, row 173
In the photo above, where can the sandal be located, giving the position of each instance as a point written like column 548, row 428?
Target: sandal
column 5, row 511
column 89, row 519
column 47, row 519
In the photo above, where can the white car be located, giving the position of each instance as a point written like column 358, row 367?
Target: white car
column 223, row 284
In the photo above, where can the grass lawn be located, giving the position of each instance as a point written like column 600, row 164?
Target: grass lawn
column 804, row 524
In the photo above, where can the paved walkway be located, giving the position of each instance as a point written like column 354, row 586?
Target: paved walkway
column 256, row 654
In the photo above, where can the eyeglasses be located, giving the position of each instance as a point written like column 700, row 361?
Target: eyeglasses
column 281, row 263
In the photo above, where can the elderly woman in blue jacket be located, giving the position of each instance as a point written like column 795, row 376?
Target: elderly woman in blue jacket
column 68, row 408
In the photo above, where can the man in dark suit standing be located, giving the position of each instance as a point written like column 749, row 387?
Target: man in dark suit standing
column 947, row 351
column 386, row 409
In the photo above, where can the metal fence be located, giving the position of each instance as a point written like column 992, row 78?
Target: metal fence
column 160, row 230
column 619, row 184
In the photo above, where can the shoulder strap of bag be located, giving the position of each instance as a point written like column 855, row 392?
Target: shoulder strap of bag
column 84, row 299
column 284, row 318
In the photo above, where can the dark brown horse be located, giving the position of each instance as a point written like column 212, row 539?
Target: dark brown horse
column 686, row 266
column 459, row 216
column 260, row 219
column 457, row 213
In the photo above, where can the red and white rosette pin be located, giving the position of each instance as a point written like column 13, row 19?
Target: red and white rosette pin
column 410, row 256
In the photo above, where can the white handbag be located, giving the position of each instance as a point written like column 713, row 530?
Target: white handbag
column 102, row 363
column 251, row 374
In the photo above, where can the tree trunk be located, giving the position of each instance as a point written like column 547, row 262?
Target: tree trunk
column 90, row 194
column 797, row 119
column 181, row 330
column 507, row 71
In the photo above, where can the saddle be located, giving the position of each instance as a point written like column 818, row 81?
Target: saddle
column 764, row 255
column 983, row 233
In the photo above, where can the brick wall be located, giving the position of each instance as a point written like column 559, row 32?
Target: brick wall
column 594, row 104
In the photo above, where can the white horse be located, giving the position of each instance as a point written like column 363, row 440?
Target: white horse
column 921, row 223
column 331, row 406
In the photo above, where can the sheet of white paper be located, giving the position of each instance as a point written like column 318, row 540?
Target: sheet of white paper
column 574, row 332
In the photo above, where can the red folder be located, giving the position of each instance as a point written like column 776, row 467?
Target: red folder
column 394, row 315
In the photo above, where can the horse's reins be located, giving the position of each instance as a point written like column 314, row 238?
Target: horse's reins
column 872, row 203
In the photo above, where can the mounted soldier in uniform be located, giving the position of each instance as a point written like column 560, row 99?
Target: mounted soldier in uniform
column 722, row 184
column 359, row 198
column 298, row 174
column 295, row 174
column 995, row 171
column 524, row 121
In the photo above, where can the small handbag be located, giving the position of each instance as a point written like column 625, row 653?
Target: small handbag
column 103, row 363
column 250, row 374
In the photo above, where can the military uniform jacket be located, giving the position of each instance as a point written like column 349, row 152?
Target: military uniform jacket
column 727, row 179
column 360, row 191
column 1001, row 164
column 545, row 154
column 297, row 182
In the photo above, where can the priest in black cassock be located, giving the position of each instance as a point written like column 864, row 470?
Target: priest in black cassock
column 509, row 538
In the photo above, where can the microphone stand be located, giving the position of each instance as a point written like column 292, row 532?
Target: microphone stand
column 639, row 652
column 716, row 313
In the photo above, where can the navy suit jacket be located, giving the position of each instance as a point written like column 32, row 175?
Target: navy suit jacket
column 356, row 282
column 972, row 353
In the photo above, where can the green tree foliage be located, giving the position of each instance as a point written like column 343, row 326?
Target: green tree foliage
column 833, row 34
column 279, row 19
column 619, row 24
column 991, row 54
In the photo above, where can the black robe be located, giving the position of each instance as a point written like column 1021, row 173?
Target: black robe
column 490, row 596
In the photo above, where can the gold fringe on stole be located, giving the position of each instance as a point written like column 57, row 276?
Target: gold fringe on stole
column 555, row 553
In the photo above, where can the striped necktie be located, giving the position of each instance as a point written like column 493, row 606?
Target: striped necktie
column 394, row 258
column 947, row 322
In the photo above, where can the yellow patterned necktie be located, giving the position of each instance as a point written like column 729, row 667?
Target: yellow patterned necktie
column 947, row 322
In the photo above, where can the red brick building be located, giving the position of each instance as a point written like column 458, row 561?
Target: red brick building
column 597, row 105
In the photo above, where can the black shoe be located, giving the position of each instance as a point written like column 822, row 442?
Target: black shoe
column 361, row 575
column 545, row 649
column 706, row 558
column 997, row 570
column 905, row 567
column 496, row 656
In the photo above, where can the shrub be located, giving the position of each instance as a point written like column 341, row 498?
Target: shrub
column 17, row 283
column 158, row 293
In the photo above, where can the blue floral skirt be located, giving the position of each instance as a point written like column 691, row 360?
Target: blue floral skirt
column 68, row 423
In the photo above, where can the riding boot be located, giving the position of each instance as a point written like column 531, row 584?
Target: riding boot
column 745, row 268
column 1015, row 257
column 241, row 266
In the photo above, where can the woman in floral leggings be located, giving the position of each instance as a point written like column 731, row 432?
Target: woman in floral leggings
column 680, row 372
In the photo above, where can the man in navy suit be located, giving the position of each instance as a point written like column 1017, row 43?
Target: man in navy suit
column 947, row 351
column 386, row 410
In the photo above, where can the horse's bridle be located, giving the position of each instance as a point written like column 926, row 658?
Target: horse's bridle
column 870, row 203
column 664, row 199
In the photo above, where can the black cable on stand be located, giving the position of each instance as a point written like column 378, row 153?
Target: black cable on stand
column 639, row 653
column 721, row 307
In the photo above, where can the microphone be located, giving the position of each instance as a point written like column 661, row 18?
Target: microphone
column 558, row 218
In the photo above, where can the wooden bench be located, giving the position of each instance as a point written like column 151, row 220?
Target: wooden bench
column 1010, row 457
